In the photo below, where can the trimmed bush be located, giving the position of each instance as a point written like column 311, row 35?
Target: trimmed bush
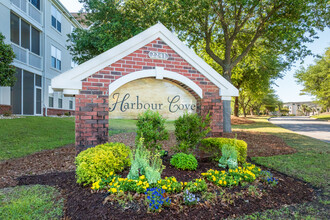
column 97, row 162
column 190, row 129
column 151, row 126
column 184, row 161
column 214, row 146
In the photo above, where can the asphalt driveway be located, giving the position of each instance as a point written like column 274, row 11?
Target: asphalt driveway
column 305, row 126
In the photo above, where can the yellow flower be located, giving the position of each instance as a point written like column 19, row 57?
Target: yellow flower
column 220, row 182
column 225, row 182
column 222, row 171
column 164, row 187
column 195, row 184
column 111, row 173
column 113, row 190
column 142, row 177
column 216, row 172
column 185, row 183
column 213, row 177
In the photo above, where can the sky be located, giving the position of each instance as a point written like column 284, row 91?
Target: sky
column 287, row 88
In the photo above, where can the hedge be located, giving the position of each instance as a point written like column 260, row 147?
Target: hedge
column 214, row 146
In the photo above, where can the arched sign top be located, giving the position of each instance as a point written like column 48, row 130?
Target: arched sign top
column 158, row 73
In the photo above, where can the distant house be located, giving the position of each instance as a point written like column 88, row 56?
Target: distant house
column 303, row 108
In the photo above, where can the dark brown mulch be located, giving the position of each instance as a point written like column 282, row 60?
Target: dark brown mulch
column 259, row 144
column 57, row 160
column 82, row 204
column 262, row 144
column 240, row 120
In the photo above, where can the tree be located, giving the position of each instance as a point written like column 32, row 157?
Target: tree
column 7, row 71
column 228, row 29
column 109, row 25
column 316, row 79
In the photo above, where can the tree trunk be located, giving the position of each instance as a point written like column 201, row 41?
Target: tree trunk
column 251, row 111
column 236, row 107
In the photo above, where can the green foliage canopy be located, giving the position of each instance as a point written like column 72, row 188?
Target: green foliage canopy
column 316, row 79
column 7, row 71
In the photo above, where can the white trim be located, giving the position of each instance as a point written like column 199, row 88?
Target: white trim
column 155, row 73
column 111, row 56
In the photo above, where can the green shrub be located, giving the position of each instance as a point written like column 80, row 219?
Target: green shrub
column 97, row 162
column 190, row 129
column 145, row 163
column 151, row 126
column 229, row 157
column 214, row 146
column 184, row 161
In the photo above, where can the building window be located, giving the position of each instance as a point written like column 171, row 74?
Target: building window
column 56, row 56
column 35, row 3
column 24, row 35
column 35, row 41
column 56, row 19
column 60, row 103
column 51, row 102
column 71, row 104
column 14, row 29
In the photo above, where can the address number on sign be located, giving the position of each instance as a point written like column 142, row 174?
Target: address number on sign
column 158, row 55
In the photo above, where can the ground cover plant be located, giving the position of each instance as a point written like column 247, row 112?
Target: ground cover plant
column 30, row 202
column 23, row 136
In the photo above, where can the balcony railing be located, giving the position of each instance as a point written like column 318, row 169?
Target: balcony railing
column 25, row 56
column 29, row 9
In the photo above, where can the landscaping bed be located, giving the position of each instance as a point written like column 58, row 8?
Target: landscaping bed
column 260, row 144
column 83, row 203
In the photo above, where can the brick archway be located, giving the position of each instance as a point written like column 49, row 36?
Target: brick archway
column 152, row 50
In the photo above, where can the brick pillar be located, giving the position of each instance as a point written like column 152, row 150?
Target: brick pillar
column 211, row 103
column 92, row 120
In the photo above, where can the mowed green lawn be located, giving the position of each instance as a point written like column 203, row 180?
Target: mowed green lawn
column 23, row 136
column 310, row 163
column 322, row 117
column 117, row 126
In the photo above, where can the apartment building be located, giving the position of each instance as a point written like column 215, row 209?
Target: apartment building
column 303, row 108
column 37, row 31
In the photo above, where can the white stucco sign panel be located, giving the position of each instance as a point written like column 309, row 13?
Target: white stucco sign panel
column 164, row 96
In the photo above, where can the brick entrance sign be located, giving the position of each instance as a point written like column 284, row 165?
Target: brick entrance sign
column 153, row 54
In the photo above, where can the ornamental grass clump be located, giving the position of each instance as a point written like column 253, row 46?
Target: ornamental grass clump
column 184, row 161
column 97, row 162
column 156, row 199
column 145, row 163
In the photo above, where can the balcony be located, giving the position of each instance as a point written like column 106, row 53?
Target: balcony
column 27, row 57
column 29, row 9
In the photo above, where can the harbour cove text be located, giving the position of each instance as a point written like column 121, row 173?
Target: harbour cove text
column 127, row 102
